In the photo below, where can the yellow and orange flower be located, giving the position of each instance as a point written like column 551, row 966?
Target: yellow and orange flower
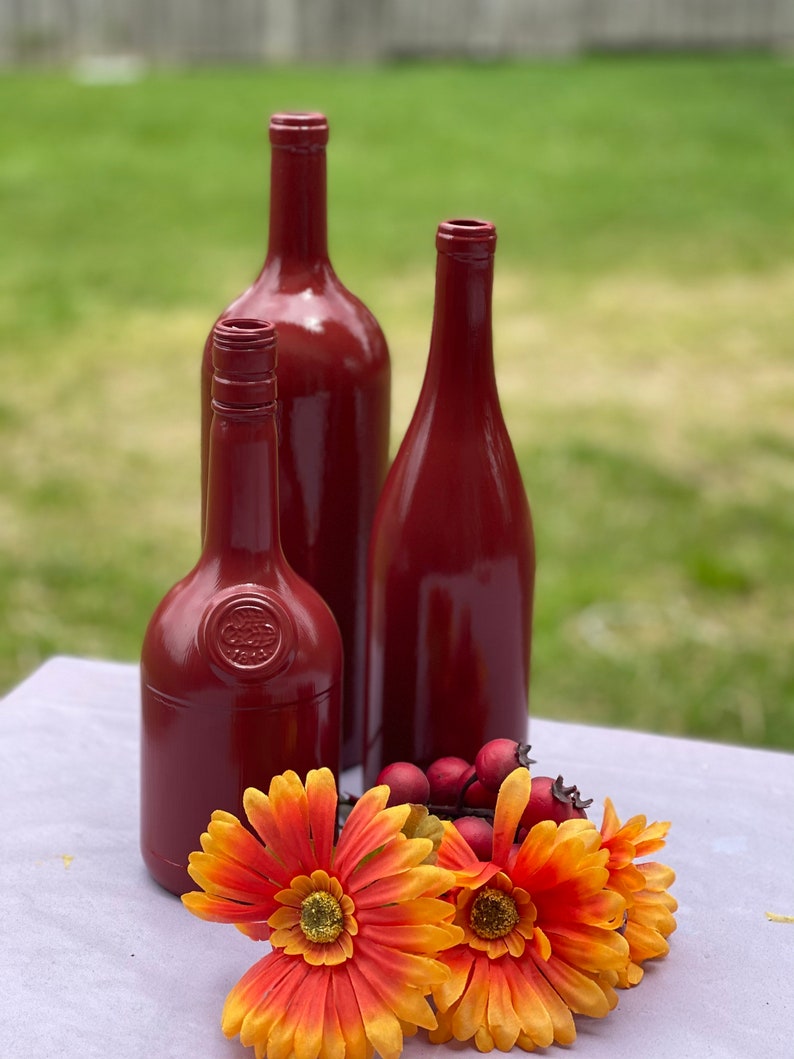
column 355, row 929
column 649, row 906
column 541, row 936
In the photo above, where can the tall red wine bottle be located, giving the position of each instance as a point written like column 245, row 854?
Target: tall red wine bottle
column 334, row 386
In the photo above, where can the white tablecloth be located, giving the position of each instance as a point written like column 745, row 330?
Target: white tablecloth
column 97, row 960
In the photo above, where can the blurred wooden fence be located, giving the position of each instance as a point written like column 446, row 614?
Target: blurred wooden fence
column 222, row 31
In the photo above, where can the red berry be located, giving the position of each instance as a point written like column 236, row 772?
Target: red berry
column 551, row 800
column 477, row 796
column 406, row 782
column 443, row 776
column 465, row 780
column 497, row 759
column 478, row 833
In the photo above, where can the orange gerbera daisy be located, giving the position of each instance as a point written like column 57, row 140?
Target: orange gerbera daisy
column 541, row 938
column 649, row 906
column 354, row 928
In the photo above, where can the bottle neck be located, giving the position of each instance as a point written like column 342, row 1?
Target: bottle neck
column 242, row 489
column 460, row 365
column 298, row 206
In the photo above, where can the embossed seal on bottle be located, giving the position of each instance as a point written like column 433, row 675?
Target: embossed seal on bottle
column 247, row 633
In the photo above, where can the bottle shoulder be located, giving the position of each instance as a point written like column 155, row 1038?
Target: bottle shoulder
column 310, row 298
column 210, row 632
column 456, row 442
column 326, row 335
column 437, row 480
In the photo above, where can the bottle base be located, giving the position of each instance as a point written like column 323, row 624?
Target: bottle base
column 167, row 873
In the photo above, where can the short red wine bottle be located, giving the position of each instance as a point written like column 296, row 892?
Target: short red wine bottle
column 241, row 667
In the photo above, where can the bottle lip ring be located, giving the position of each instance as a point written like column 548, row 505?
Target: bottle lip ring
column 467, row 237
column 243, row 333
column 299, row 129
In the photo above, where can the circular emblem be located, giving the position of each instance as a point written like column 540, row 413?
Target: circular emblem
column 247, row 633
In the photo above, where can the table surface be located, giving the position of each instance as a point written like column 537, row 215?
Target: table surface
column 97, row 960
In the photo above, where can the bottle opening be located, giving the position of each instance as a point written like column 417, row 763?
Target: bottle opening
column 467, row 236
column 299, row 129
column 244, row 355
column 244, row 333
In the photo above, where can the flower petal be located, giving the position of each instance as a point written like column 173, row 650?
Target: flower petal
column 529, row 995
column 369, row 826
column 503, row 1021
column 589, row 948
column 254, row 931
column 469, row 1014
column 381, row 1026
column 393, row 859
column 533, row 853
column 413, row 937
column 350, row 1020
column 456, row 854
column 656, row 876
column 583, row 994
column 323, row 803
column 402, row 985
column 654, row 910
column 281, row 818
column 411, row 969
column 307, row 1014
column 644, row 942
column 333, row 1043
column 459, row 962
column 652, row 838
column 426, row 880
column 610, row 823
column 254, row 1002
column 300, row 1030
column 227, row 878
column 420, row 910
column 510, row 805
column 228, row 839
column 219, row 910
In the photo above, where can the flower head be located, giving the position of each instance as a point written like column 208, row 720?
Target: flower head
column 540, row 932
column 649, row 907
column 355, row 928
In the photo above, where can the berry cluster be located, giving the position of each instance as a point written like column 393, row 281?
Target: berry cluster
column 455, row 789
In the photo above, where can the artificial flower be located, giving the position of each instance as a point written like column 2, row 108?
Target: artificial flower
column 355, row 928
column 649, row 907
column 541, row 937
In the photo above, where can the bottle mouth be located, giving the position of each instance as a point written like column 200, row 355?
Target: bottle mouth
column 244, row 356
column 466, row 237
column 299, row 129
column 236, row 333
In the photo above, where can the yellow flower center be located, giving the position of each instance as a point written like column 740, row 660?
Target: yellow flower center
column 493, row 913
column 321, row 917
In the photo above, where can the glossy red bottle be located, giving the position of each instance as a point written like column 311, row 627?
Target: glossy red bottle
column 452, row 555
column 334, row 387
column 241, row 667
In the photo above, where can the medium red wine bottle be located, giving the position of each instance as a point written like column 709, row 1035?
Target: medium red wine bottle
column 452, row 554
column 241, row 668
column 334, row 387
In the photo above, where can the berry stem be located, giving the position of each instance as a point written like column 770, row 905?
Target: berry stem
column 453, row 812
column 522, row 753
column 459, row 807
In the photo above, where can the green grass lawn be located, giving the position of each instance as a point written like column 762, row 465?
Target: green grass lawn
column 643, row 326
